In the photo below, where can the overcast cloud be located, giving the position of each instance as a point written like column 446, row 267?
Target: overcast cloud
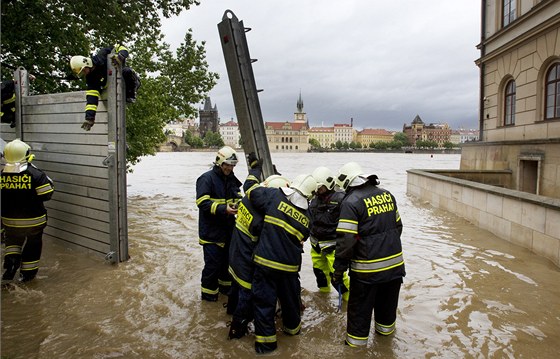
column 378, row 62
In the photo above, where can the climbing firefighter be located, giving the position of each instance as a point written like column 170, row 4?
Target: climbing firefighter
column 369, row 242
column 24, row 190
column 245, row 236
column 95, row 71
column 217, row 197
column 277, row 257
column 324, row 211
column 8, row 112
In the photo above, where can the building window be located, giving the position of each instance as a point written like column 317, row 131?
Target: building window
column 552, row 105
column 509, row 12
column 509, row 104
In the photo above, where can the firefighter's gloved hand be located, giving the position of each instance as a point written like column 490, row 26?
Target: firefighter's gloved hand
column 88, row 124
column 336, row 278
column 253, row 160
column 117, row 60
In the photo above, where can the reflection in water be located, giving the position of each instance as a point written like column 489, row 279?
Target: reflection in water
column 466, row 293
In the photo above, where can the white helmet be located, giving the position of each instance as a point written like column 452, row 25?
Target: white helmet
column 276, row 181
column 305, row 184
column 226, row 155
column 16, row 151
column 347, row 173
column 77, row 63
column 324, row 177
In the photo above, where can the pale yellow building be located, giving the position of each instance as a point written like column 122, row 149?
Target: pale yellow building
column 324, row 135
column 519, row 95
column 372, row 135
column 289, row 136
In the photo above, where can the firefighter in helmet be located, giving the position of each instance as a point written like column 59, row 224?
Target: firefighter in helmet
column 277, row 257
column 94, row 69
column 324, row 211
column 24, row 189
column 217, row 196
column 369, row 244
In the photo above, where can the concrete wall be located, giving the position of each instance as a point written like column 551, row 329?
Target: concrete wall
column 525, row 219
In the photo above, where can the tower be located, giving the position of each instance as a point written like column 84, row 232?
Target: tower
column 209, row 119
column 299, row 115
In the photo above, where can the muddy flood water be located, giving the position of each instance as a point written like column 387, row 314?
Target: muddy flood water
column 467, row 293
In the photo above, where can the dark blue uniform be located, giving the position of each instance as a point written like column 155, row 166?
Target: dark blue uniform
column 369, row 242
column 214, row 191
column 24, row 217
column 246, row 233
column 277, row 258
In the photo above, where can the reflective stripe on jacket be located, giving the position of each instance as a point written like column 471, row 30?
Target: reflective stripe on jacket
column 285, row 228
column 23, row 197
column 324, row 212
column 213, row 191
column 369, row 233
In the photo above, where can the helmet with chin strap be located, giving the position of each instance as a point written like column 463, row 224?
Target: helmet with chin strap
column 226, row 155
column 347, row 173
column 324, row 177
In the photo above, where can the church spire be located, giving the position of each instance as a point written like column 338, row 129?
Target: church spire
column 300, row 103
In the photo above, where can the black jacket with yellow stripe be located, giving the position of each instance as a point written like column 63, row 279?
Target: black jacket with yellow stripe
column 23, row 195
column 285, row 228
column 369, row 235
column 213, row 191
column 96, row 80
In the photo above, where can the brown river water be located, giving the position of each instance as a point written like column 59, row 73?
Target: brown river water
column 467, row 293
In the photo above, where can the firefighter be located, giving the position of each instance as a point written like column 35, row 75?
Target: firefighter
column 277, row 257
column 95, row 71
column 8, row 112
column 248, row 226
column 369, row 243
column 324, row 211
column 24, row 190
column 217, row 196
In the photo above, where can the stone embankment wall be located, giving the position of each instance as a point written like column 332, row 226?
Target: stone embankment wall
column 525, row 219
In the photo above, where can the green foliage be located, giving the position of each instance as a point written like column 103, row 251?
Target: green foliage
column 171, row 83
column 314, row 143
column 213, row 139
column 448, row 145
column 426, row 144
column 402, row 138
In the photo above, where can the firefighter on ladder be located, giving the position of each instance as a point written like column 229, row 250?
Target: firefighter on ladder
column 95, row 71
column 24, row 190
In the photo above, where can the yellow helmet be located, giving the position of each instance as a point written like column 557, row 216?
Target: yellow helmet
column 226, row 155
column 16, row 151
column 305, row 184
column 324, row 177
column 276, row 181
column 77, row 64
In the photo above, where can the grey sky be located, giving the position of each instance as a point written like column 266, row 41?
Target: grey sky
column 378, row 62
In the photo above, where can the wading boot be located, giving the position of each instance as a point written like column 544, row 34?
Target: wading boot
column 238, row 329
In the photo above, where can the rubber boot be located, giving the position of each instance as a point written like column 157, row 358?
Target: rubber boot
column 263, row 348
column 11, row 265
column 238, row 329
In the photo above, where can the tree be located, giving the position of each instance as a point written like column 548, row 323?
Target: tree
column 314, row 143
column 171, row 83
column 213, row 139
column 402, row 138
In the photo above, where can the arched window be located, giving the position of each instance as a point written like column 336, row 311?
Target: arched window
column 509, row 104
column 552, row 106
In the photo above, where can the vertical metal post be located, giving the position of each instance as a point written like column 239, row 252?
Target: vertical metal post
column 116, row 146
column 243, row 89
column 21, row 80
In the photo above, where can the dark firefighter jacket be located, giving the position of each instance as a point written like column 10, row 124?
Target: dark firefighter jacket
column 248, row 226
column 324, row 211
column 369, row 235
column 285, row 229
column 23, row 195
column 96, row 80
column 8, row 101
column 213, row 191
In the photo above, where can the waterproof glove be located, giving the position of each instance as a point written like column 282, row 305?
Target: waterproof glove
column 88, row 124
column 336, row 279
column 253, row 160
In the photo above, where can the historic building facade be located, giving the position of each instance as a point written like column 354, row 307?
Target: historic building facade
column 372, row 135
column 519, row 95
column 230, row 133
column 208, row 117
column 289, row 136
column 419, row 131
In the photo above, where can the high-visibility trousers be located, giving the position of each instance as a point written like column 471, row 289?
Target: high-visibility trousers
column 323, row 262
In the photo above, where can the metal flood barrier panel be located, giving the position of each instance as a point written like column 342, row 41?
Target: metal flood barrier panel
column 88, row 208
